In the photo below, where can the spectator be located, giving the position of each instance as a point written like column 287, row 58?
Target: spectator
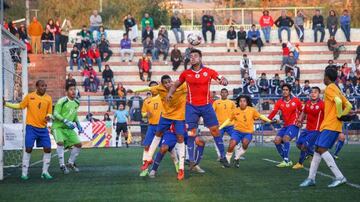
column 148, row 46
column 120, row 95
column 176, row 27
column 245, row 65
column 207, row 22
column 64, row 38
column 306, row 89
column 94, row 56
column 13, row 29
column 147, row 20
column 164, row 32
column 263, row 84
column 187, row 55
column 334, row 47
column 285, row 54
column 299, row 25
column 35, row 32
column 345, row 22
column 318, row 25
column 278, row 91
column 331, row 65
column 57, row 34
column 289, row 79
column 161, row 46
column 75, row 58
column 23, row 36
column 108, row 123
column 231, row 38
column 91, row 82
column 147, row 32
column 266, row 22
column 246, row 83
column 253, row 37
column 95, row 21
column 241, row 36
column 70, row 80
column 135, row 105
column 131, row 28
column 109, row 94
column 108, row 75
column 349, row 88
column 47, row 40
column 296, row 89
column 274, row 84
column 214, row 96
column 357, row 92
column 358, row 53
column 144, row 65
column 84, row 57
column 332, row 23
column 290, row 63
column 175, row 57
column 284, row 23
column 86, row 37
column 125, row 45
column 104, row 48
column 97, row 35
column 51, row 26
column 253, row 91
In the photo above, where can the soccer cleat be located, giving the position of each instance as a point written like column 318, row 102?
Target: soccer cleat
column 298, row 166
column 146, row 165
column 64, row 169
column 307, row 183
column 335, row 157
column 46, row 176
column 152, row 174
column 73, row 167
column 181, row 174
column 283, row 164
column 337, row 182
column 242, row 158
column 198, row 169
column 237, row 163
column 224, row 163
column 24, row 177
column 144, row 173
column 177, row 167
column 192, row 164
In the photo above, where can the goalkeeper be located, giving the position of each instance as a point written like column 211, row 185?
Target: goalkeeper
column 65, row 121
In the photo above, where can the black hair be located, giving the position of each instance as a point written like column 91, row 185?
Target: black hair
column 286, row 85
column 153, row 82
column 69, row 86
column 39, row 81
column 246, row 97
column 283, row 45
column 276, row 74
column 316, row 88
column 125, row 34
column 331, row 74
column 263, row 74
column 224, row 90
column 164, row 77
column 194, row 50
column 307, row 81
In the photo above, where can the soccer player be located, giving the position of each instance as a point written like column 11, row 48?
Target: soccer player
column 336, row 107
column 243, row 117
column 339, row 145
column 39, row 110
column 121, row 121
column 65, row 121
column 198, row 79
column 173, row 113
column 290, row 108
column 314, row 112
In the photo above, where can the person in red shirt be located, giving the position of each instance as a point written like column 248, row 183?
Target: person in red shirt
column 199, row 103
column 290, row 108
column 314, row 112
column 144, row 65
column 266, row 22
column 285, row 54
column 94, row 56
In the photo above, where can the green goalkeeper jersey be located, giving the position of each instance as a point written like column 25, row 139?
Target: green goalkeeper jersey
column 65, row 109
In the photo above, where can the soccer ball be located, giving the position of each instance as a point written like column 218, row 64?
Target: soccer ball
column 194, row 39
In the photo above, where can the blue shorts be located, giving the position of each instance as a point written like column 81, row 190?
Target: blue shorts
column 327, row 139
column 40, row 135
column 291, row 131
column 164, row 125
column 227, row 129
column 150, row 134
column 193, row 114
column 308, row 137
column 239, row 136
column 170, row 140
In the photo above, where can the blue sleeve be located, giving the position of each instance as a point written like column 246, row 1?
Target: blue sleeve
column 257, row 34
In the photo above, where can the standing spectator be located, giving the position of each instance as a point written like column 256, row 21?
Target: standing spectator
column 135, row 105
column 175, row 57
column 274, row 84
column 334, row 47
column 64, row 38
column 35, row 32
column 108, row 75
column 131, row 27
column 13, row 29
column 94, row 56
column 148, row 46
column 187, row 55
column 75, row 58
column 47, row 40
column 345, row 22
column 318, row 25
column 254, row 38
column 164, row 32
column 108, row 123
column 120, row 95
column 57, row 34
column 125, row 45
column 147, row 20
column 97, row 35
column 144, row 65
column 266, row 22
column 70, row 80
column 332, row 23
column 95, row 21
column 161, row 46
column 23, row 36
column 207, row 22
column 51, row 26
column 263, row 84
column 284, row 23
column 245, row 65
column 176, row 27
column 231, row 38
column 241, row 36
column 104, row 48
column 109, row 94
column 296, row 89
column 299, row 25
column 306, row 89
column 147, row 33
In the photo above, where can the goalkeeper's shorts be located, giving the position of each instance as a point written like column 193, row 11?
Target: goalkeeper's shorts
column 66, row 136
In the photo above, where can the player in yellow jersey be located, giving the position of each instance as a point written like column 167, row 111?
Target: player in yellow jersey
column 39, row 110
column 336, row 109
column 243, row 117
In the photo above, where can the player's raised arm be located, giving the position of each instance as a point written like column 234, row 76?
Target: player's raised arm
column 173, row 88
column 140, row 90
column 22, row 105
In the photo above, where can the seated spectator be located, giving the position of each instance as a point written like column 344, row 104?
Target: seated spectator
column 331, row 65
column 86, row 37
column 246, row 83
column 253, row 37
column 148, row 45
column 231, row 38
column 306, row 89
column 285, row 54
column 278, row 90
column 299, row 25
column 284, row 23
column 253, row 91
column 161, row 46
column 144, row 65
column 175, row 57
column 345, row 72
column 245, row 65
column 241, row 37
column 207, row 22
column 70, row 80
column 147, row 32
column 125, row 46
column 91, row 82
column 94, row 56
column 334, row 47
column 75, row 58
column 274, row 84
column 345, row 24
column 290, row 63
column 266, row 22
column 289, row 79
column 263, row 84
column 332, row 23
column 98, row 35
column 349, row 88
column 357, row 92
column 296, row 89
column 176, row 27
column 84, row 57
column 237, row 92
column 104, row 48
column 108, row 75
column 109, row 94
column 164, row 32
column 340, row 84
column 318, row 25
column 135, row 105
column 187, row 55
column 147, row 21
column 95, row 21
column 120, row 95
column 131, row 27
column 47, row 40
column 358, row 53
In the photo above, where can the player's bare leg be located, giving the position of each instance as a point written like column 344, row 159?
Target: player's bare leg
column 181, row 151
column 73, row 155
column 60, row 153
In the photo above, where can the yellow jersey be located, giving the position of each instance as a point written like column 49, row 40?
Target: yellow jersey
column 223, row 110
column 244, row 119
column 175, row 109
column 330, row 121
column 153, row 106
column 38, row 107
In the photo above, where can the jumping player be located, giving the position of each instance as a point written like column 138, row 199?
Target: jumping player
column 290, row 108
column 314, row 112
column 39, row 110
column 336, row 107
column 198, row 79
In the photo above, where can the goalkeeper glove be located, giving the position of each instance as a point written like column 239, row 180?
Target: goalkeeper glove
column 69, row 124
column 78, row 125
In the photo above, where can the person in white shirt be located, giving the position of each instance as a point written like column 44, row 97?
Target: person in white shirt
column 95, row 21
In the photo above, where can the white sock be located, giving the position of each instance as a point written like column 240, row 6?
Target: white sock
column 186, row 153
column 173, row 156
column 153, row 146
column 330, row 162
column 237, row 149
column 74, row 153
column 181, row 150
column 145, row 154
column 217, row 150
column 46, row 162
column 25, row 163
column 60, row 153
column 228, row 156
column 314, row 165
column 239, row 152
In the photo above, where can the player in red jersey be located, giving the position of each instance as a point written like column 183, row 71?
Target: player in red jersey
column 314, row 112
column 199, row 103
column 290, row 108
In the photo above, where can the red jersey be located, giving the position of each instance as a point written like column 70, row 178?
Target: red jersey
column 290, row 110
column 198, row 84
column 314, row 114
